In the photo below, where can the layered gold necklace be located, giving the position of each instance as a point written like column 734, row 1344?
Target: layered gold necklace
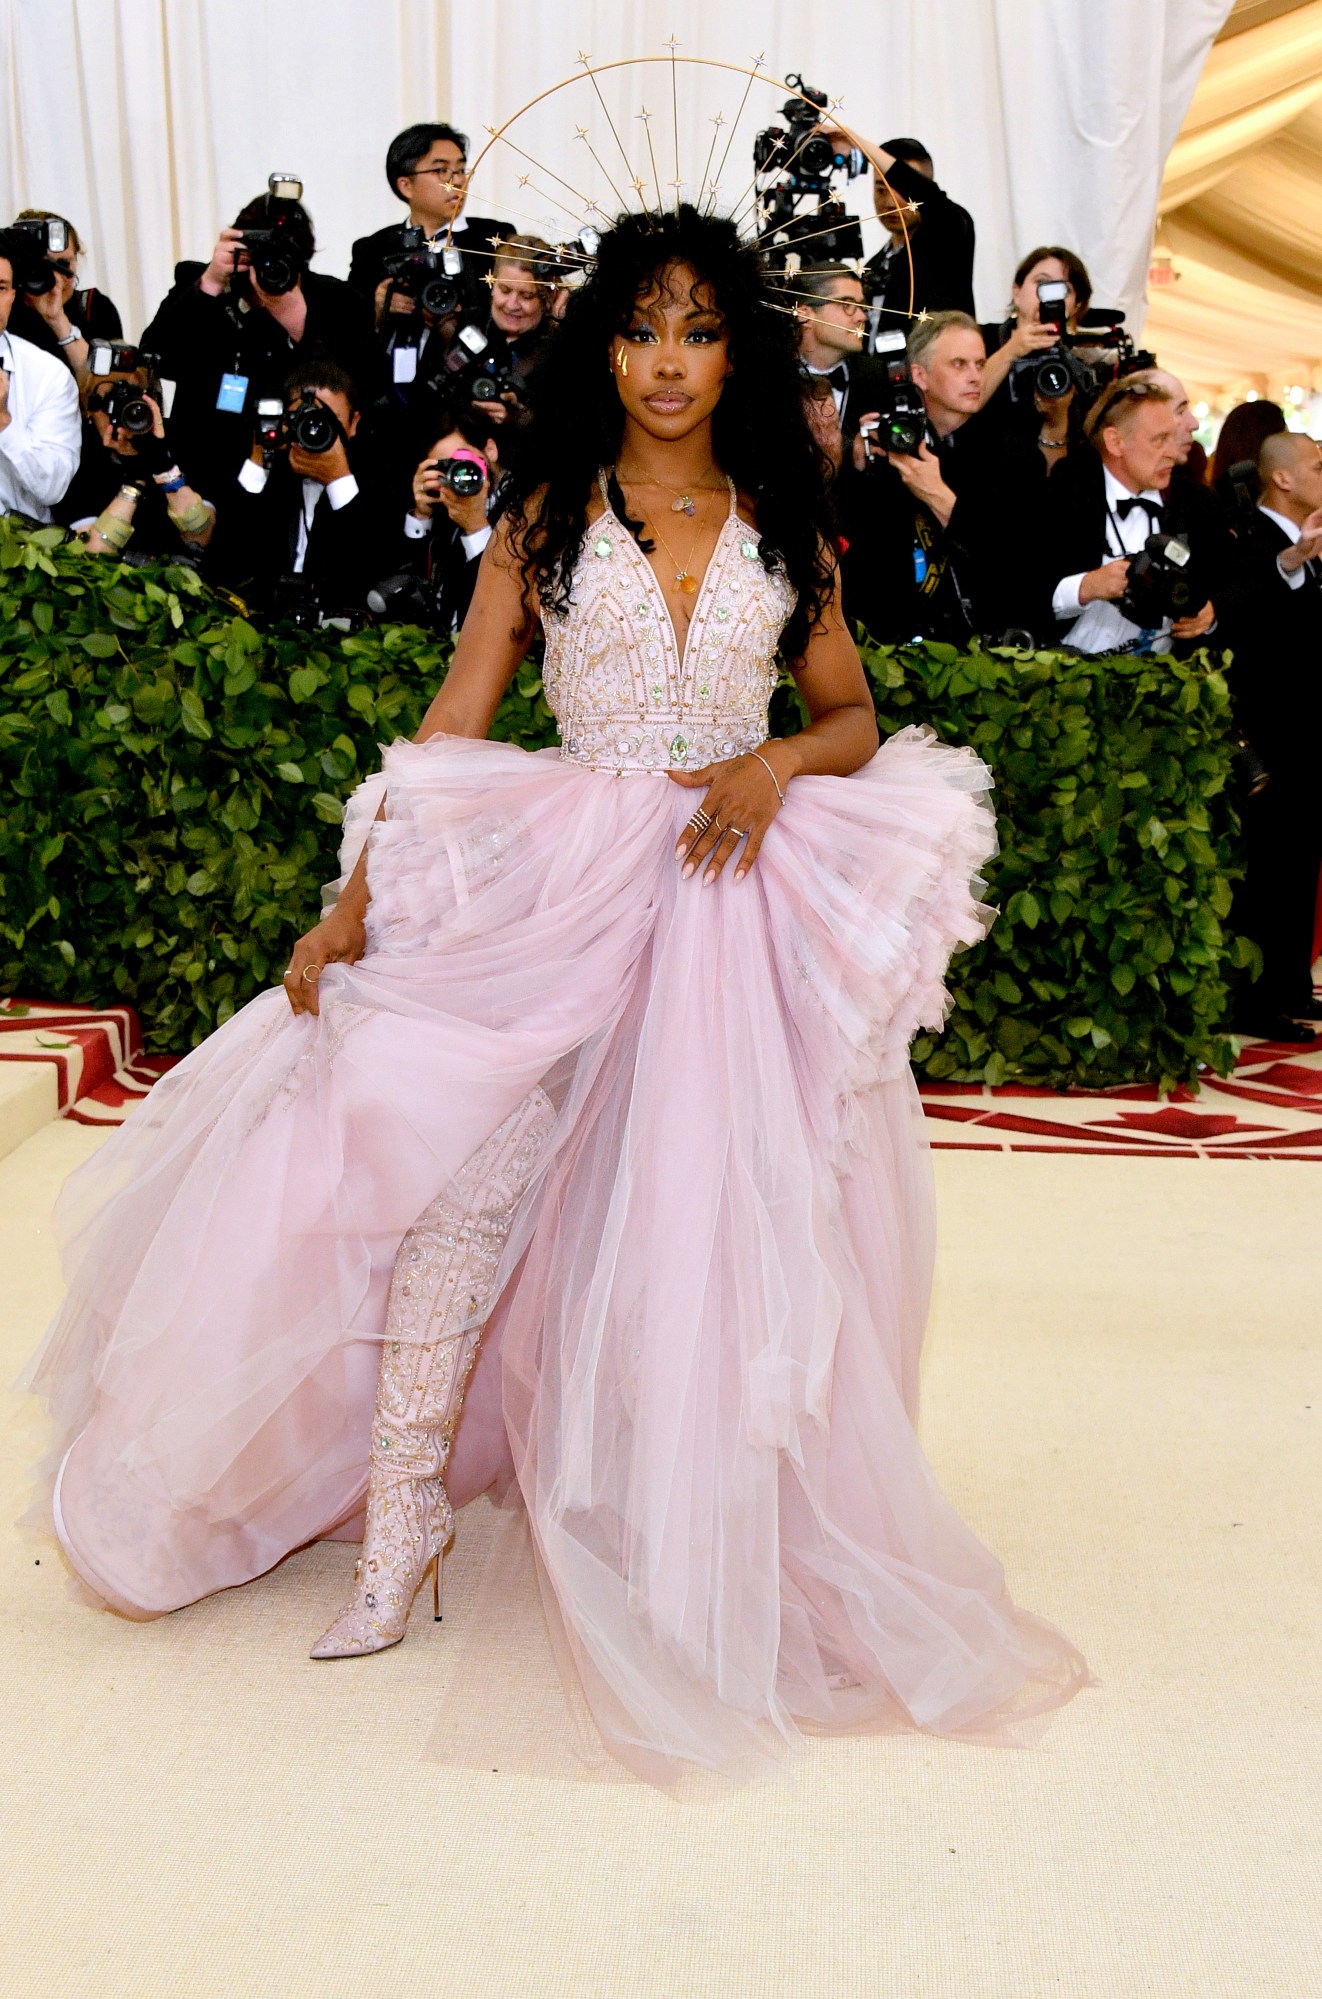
column 683, row 503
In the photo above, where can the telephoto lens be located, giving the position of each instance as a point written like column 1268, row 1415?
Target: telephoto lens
column 402, row 599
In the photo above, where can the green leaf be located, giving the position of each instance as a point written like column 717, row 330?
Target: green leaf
column 290, row 773
column 101, row 645
column 327, row 808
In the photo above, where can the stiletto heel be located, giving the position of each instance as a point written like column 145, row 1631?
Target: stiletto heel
column 436, row 1591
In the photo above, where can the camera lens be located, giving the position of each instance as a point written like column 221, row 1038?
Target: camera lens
column 486, row 389
column 439, row 296
column 462, row 477
column 276, row 273
column 135, row 417
column 1052, row 380
column 817, row 158
column 312, row 428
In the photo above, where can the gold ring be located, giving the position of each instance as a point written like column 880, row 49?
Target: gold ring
column 700, row 819
column 309, row 972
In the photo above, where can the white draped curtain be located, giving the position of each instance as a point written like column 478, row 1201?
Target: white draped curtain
column 149, row 122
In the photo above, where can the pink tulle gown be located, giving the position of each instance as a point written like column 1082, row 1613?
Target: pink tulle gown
column 702, row 1237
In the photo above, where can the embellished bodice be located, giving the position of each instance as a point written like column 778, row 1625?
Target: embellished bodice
column 625, row 696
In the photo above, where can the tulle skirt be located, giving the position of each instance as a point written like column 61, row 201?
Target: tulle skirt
column 702, row 1370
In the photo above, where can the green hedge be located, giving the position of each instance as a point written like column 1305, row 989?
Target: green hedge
column 171, row 783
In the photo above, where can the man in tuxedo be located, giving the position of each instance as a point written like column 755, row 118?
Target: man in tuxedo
column 426, row 167
column 832, row 332
column 322, row 516
column 1273, row 626
column 935, row 536
column 940, row 235
column 1104, row 505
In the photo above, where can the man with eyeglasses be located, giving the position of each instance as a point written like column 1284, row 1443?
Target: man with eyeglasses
column 833, row 319
column 426, row 166
column 40, row 428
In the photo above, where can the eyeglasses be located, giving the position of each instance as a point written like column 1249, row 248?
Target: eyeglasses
column 854, row 307
column 450, row 176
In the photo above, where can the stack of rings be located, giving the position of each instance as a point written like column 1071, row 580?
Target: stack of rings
column 308, row 972
column 701, row 820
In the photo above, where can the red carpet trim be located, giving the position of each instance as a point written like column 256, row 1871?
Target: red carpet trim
column 1270, row 1108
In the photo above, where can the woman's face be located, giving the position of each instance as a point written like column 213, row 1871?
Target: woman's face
column 1047, row 270
column 671, row 359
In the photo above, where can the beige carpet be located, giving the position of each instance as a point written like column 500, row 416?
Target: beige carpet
column 1123, row 1393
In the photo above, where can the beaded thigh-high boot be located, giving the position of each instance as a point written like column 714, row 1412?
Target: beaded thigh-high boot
column 441, row 1292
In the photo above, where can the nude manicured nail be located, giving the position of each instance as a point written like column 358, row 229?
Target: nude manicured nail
column 686, row 872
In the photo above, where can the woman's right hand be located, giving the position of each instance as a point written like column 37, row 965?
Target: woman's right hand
column 339, row 939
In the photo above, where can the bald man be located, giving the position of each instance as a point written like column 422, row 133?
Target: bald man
column 1275, row 631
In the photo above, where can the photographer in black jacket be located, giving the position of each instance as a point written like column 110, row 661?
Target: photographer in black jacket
column 832, row 334
column 936, row 506
column 1273, row 625
column 229, row 331
column 1108, row 590
column 426, row 166
column 129, row 486
column 306, row 522
column 446, row 528
column 923, row 223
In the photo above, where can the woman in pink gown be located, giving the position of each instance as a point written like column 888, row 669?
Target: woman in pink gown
column 600, row 1052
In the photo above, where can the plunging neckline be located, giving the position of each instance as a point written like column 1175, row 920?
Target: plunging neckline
column 681, row 653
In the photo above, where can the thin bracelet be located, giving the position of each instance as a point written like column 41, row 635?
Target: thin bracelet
column 770, row 773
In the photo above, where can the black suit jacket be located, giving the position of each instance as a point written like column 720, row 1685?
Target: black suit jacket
column 977, row 578
column 200, row 338
column 348, row 550
column 1074, row 531
column 942, row 245
column 1275, row 634
column 367, row 263
column 442, row 559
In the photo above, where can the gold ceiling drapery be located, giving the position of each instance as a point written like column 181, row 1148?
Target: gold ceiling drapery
column 1240, row 212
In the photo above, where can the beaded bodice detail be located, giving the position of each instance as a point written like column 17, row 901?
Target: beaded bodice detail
column 626, row 697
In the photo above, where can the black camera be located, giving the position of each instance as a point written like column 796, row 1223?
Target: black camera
column 490, row 384
column 404, row 599
column 1163, row 583
column 426, row 272
column 46, row 234
column 277, row 261
column 311, row 426
column 1095, row 353
column 464, row 476
column 901, row 424
column 805, row 163
column 125, row 403
column 568, row 263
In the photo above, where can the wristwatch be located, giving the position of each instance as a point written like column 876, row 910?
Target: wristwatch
column 67, row 339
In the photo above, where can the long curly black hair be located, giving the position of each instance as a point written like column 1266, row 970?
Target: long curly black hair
column 760, row 431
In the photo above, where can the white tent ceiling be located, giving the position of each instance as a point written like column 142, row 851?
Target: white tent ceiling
column 1240, row 214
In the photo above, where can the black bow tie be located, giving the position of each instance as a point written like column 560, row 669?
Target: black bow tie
column 838, row 377
column 1126, row 507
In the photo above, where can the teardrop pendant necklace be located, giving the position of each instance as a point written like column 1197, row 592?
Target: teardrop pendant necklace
column 685, row 581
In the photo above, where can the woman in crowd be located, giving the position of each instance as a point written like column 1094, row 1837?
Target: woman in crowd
column 1056, row 422
column 67, row 317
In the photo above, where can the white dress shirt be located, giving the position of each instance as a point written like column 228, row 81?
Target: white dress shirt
column 1101, row 626
column 417, row 529
column 41, row 445
column 1294, row 577
column 339, row 492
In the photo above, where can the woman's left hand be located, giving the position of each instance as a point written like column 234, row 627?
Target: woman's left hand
column 741, row 800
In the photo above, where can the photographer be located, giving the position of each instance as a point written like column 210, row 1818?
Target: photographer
column 833, row 327
column 1273, row 625
column 230, row 330
column 426, row 166
column 61, row 317
column 1109, row 591
column 933, row 498
column 129, row 487
column 40, row 431
column 308, row 502
column 940, row 240
column 447, row 526
column 1051, row 288
column 495, row 350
